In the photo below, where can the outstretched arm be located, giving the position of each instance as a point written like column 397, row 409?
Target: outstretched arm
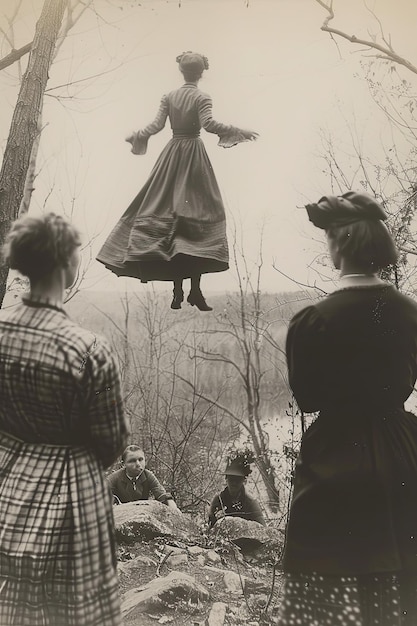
column 229, row 135
column 139, row 139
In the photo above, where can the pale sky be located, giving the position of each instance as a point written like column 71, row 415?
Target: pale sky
column 271, row 69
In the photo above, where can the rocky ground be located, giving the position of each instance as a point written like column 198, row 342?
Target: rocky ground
column 172, row 571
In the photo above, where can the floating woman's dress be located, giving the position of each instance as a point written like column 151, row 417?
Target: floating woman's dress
column 176, row 226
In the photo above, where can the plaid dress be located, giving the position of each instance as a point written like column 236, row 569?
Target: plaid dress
column 61, row 422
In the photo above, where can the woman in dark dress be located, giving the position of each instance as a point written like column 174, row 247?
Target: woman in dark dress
column 351, row 547
column 175, row 228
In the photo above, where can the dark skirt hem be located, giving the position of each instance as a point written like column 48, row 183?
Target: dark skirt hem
column 179, row 267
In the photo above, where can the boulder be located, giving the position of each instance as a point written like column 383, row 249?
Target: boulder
column 217, row 614
column 250, row 537
column 168, row 591
column 147, row 519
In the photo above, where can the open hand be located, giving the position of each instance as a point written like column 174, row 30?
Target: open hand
column 250, row 134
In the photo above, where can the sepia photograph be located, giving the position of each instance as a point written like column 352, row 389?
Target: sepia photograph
column 208, row 318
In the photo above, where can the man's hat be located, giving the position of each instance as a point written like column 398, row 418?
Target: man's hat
column 237, row 468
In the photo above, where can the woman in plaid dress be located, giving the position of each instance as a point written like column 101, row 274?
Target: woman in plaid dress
column 61, row 423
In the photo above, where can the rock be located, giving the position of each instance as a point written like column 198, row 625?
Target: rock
column 201, row 560
column 128, row 571
column 213, row 556
column 195, row 550
column 168, row 549
column 177, row 559
column 256, row 587
column 217, row 614
column 147, row 519
column 233, row 582
column 248, row 536
column 135, row 564
column 167, row 591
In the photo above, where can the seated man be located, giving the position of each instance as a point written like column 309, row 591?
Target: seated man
column 234, row 500
column 135, row 482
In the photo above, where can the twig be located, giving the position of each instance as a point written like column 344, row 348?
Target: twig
column 162, row 561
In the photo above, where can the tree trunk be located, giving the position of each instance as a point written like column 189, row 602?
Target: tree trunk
column 24, row 125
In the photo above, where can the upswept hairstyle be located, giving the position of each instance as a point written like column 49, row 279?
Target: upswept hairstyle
column 192, row 64
column 131, row 448
column 368, row 243
column 35, row 246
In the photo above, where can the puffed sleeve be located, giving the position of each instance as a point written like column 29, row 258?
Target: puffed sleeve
column 106, row 424
column 229, row 136
column 305, row 359
column 139, row 140
column 155, row 487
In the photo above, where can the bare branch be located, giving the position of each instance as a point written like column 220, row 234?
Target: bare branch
column 14, row 56
column 387, row 51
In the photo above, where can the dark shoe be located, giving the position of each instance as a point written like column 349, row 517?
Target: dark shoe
column 197, row 300
column 177, row 300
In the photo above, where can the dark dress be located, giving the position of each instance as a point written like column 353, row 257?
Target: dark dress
column 246, row 507
column 353, row 516
column 127, row 490
column 176, row 225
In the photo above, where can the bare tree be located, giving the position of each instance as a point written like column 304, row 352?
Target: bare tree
column 184, row 436
column 390, row 175
column 243, row 347
column 24, row 125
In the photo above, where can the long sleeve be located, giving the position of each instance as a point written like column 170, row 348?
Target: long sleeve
column 116, row 485
column 254, row 511
column 106, row 426
column 305, row 359
column 139, row 140
column 155, row 487
column 228, row 135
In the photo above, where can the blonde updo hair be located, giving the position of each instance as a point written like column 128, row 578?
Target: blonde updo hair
column 35, row 246
column 192, row 64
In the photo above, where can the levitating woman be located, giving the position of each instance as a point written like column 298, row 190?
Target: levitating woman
column 351, row 550
column 175, row 228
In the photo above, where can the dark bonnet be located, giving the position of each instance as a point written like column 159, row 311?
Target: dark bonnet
column 343, row 210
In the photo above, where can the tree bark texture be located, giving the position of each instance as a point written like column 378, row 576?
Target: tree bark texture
column 24, row 124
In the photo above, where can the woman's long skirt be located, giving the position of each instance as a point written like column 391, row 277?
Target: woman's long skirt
column 175, row 227
column 57, row 550
column 366, row 600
